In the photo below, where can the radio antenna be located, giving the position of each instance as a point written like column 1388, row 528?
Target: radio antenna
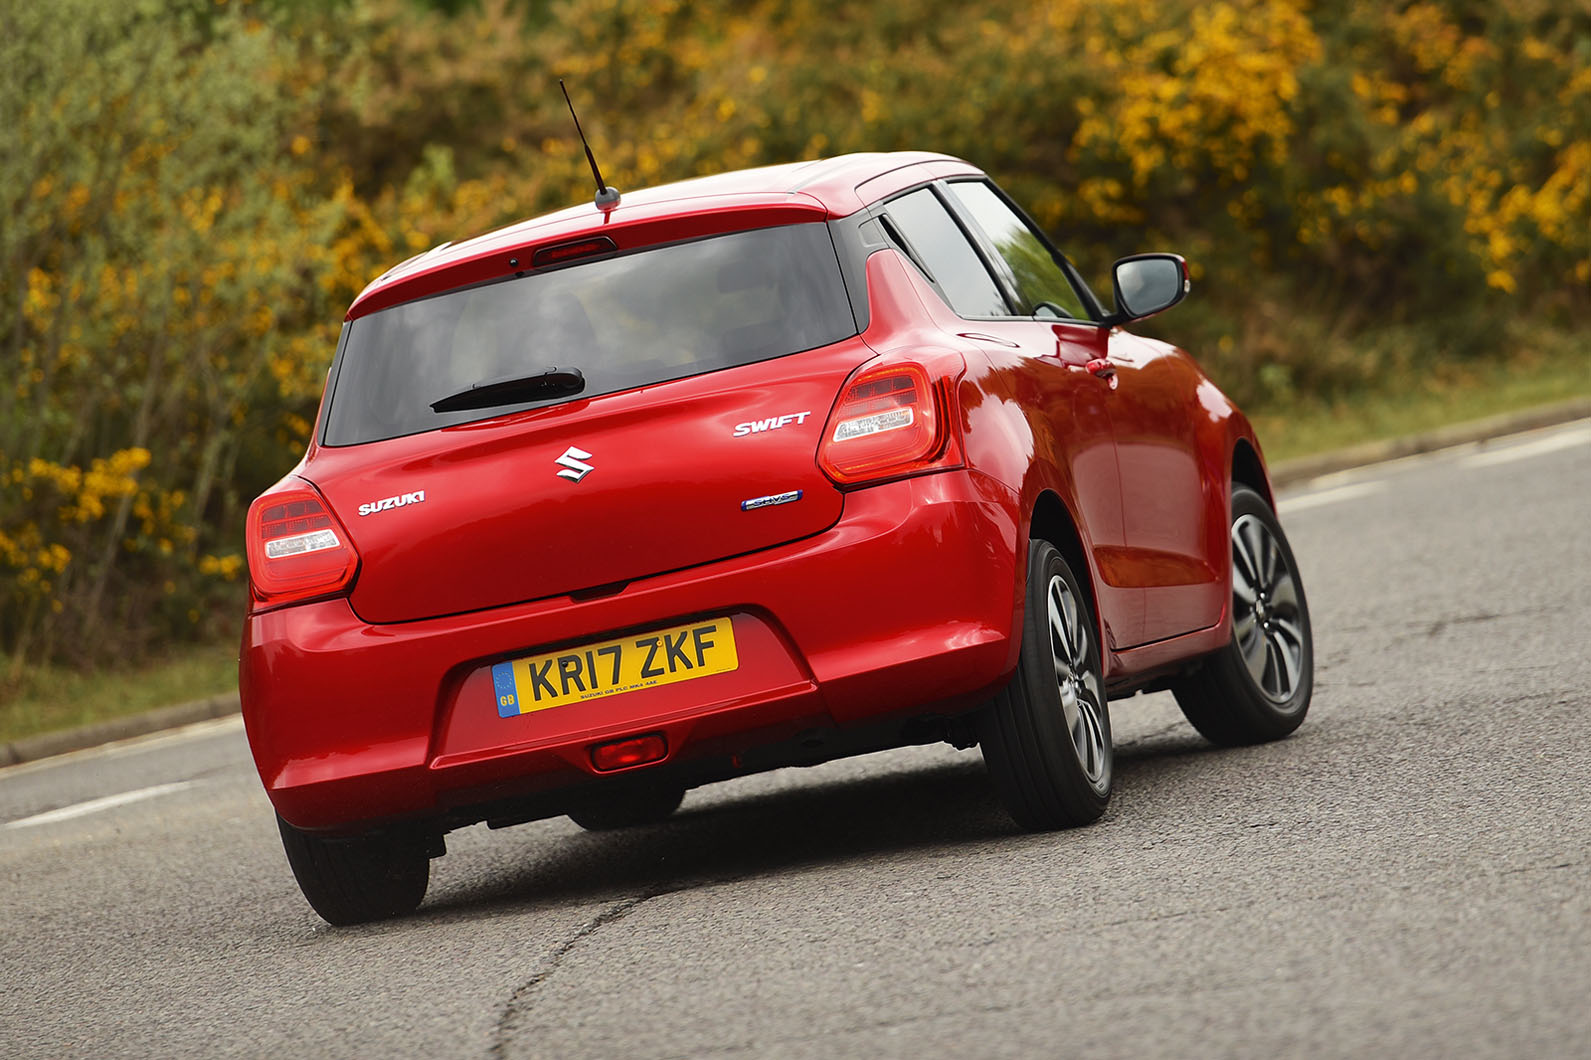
column 607, row 198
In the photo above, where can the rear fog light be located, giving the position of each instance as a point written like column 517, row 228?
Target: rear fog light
column 634, row 751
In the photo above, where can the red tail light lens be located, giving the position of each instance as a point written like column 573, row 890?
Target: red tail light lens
column 297, row 549
column 890, row 420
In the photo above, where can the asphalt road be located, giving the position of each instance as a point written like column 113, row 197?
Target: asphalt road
column 1409, row 875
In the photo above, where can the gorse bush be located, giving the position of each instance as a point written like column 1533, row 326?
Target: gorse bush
column 194, row 191
column 158, row 258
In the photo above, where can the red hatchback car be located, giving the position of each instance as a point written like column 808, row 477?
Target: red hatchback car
column 749, row 471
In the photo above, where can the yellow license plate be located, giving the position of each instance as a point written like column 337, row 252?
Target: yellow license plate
column 591, row 671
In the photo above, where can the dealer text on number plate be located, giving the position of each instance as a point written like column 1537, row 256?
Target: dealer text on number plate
column 591, row 671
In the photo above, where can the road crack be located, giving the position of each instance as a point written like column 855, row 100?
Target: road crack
column 1439, row 626
column 518, row 1001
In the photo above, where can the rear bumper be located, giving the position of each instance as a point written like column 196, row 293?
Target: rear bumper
column 906, row 606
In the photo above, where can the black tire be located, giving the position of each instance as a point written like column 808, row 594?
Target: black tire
column 1046, row 735
column 630, row 810
column 1257, row 688
column 358, row 879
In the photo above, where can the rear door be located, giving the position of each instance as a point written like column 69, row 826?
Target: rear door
column 1166, row 494
column 1150, row 402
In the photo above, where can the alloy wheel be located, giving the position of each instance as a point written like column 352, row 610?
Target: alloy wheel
column 1267, row 621
column 1082, row 691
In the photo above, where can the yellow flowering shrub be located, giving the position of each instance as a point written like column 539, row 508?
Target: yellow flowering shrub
column 196, row 190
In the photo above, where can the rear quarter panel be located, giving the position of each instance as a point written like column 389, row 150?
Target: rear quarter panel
column 1008, row 438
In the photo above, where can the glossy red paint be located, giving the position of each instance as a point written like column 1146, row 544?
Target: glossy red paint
column 889, row 596
column 485, row 537
column 351, row 720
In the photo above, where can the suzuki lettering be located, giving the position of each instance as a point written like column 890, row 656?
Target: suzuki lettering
column 372, row 507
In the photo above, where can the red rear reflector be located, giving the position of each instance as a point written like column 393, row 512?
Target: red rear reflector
column 889, row 421
column 297, row 549
column 634, row 751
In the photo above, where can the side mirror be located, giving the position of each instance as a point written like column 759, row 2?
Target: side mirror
column 1147, row 284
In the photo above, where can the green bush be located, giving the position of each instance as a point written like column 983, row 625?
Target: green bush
column 193, row 192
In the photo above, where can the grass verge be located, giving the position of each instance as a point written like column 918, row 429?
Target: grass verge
column 1554, row 370
column 48, row 698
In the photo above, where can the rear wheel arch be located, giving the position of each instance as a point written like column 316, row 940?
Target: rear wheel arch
column 1046, row 735
column 1053, row 522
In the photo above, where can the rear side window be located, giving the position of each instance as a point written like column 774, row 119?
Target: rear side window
column 653, row 315
column 941, row 247
column 1031, row 268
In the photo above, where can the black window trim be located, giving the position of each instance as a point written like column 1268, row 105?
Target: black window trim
column 986, row 247
column 903, row 244
column 330, row 390
column 987, row 251
column 892, row 232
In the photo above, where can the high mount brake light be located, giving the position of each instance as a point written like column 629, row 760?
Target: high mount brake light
column 297, row 549
column 579, row 248
column 890, row 420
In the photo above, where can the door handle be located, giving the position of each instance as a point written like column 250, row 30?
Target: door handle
column 1101, row 368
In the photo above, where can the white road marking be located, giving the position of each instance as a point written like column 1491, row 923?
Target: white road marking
column 129, row 745
column 81, row 809
column 1524, row 450
column 1298, row 503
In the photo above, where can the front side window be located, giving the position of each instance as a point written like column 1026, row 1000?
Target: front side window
column 621, row 322
column 1038, row 278
column 942, row 248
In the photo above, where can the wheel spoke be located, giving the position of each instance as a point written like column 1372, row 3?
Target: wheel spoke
column 1094, row 690
column 1060, row 632
column 1253, row 649
column 1078, row 636
column 1242, row 586
column 1085, row 739
column 1269, row 555
column 1244, row 557
column 1080, row 739
column 1284, row 594
column 1088, row 733
column 1071, row 712
column 1288, row 658
column 1288, row 629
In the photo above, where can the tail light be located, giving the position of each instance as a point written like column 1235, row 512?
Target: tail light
column 297, row 549
column 891, row 420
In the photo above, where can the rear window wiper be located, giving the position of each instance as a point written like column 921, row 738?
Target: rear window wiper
column 548, row 383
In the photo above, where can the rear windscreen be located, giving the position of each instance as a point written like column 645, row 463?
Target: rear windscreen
column 623, row 322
